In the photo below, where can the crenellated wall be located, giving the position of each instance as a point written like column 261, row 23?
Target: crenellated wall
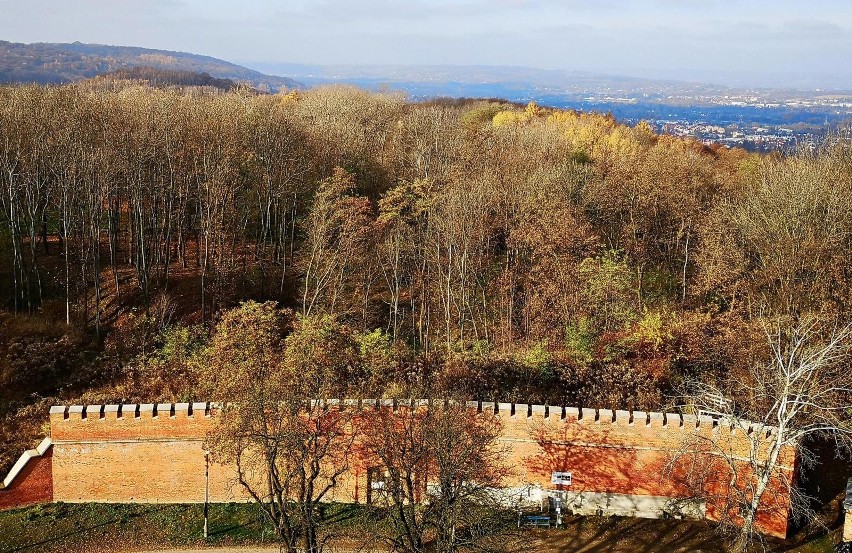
column 626, row 463
column 145, row 453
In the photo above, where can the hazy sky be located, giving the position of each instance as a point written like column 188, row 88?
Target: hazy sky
column 719, row 40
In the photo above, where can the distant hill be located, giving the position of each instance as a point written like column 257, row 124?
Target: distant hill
column 45, row 63
column 166, row 78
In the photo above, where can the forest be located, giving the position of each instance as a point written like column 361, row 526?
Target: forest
column 471, row 248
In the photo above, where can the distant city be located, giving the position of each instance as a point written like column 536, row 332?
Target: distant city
column 754, row 122
column 754, row 119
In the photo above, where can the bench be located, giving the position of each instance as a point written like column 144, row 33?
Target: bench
column 537, row 521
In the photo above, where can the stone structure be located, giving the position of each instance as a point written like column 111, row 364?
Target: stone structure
column 847, row 508
column 596, row 461
column 31, row 479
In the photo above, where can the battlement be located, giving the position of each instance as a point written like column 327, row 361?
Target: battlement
column 649, row 419
column 144, row 421
column 521, row 421
column 511, row 411
column 131, row 411
column 597, row 415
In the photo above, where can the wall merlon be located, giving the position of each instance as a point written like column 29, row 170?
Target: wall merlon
column 673, row 420
column 199, row 410
column 181, row 410
column 522, row 410
column 587, row 415
column 656, row 420
column 605, row 416
column 75, row 412
column 504, row 409
column 538, row 410
column 58, row 413
column 164, row 411
column 146, row 411
column 352, row 403
column 489, row 407
column 111, row 412
column 690, row 422
column 571, row 413
column 129, row 411
column 623, row 418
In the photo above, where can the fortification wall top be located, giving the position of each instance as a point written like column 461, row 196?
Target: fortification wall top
column 555, row 424
column 146, row 421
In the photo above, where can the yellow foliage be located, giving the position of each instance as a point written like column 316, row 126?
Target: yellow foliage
column 620, row 143
column 654, row 328
column 532, row 110
column 644, row 133
column 290, row 98
column 509, row 118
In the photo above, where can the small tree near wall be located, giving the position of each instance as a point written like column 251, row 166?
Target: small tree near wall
column 803, row 390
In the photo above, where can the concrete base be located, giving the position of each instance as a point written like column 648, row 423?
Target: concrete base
column 608, row 504
column 642, row 506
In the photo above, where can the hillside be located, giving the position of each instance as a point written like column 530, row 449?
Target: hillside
column 164, row 78
column 44, row 63
column 153, row 240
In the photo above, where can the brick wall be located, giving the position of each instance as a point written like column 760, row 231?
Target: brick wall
column 847, row 507
column 847, row 527
column 154, row 453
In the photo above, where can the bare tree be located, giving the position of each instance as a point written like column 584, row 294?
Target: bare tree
column 289, row 456
column 803, row 390
column 442, row 470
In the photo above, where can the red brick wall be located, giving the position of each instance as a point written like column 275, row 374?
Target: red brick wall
column 158, row 456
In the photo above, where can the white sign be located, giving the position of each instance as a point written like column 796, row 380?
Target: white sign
column 561, row 478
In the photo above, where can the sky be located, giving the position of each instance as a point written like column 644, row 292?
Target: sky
column 738, row 42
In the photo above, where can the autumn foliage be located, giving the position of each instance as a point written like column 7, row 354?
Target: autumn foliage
column 474, row 248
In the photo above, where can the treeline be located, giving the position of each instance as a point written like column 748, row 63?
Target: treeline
column 168, row 77
column 520, row 253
